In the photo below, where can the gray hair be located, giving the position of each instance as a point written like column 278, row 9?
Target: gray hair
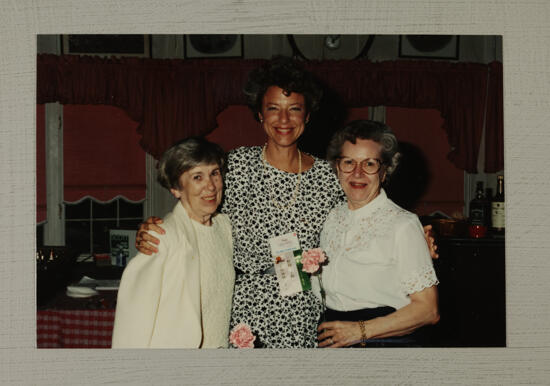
column 366, row 129
column 185, row 155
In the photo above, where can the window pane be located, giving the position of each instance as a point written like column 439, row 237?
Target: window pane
column 101, row 235
column 130, row 224
column 129, row 209
column 79, row 210
column 101, row 210
column 77, row 236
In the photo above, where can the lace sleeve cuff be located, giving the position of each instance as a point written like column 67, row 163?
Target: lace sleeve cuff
column 420, row 279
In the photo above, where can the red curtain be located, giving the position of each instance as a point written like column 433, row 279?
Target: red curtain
column 171, row 99
column 457, row 90
column 236, row 127
column 418, row 129
column 494, row 139
column 101, row 155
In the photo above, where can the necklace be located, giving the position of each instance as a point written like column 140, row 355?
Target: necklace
column 296, row 189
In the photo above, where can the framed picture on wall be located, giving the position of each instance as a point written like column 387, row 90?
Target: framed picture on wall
column 429, row 46
column 107, row 45
column 213, row 46
column 122, row 246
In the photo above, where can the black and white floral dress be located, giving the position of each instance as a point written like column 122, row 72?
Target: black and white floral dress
column 251, row 187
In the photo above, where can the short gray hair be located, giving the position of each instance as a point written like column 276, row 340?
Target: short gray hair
column 366, row 129
column 185, row 155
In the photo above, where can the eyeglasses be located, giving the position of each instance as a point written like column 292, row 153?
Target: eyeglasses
column 369, row 165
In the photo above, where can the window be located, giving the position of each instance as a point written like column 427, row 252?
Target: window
column 98, row 182
column 87, row 223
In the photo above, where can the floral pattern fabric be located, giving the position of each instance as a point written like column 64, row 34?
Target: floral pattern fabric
column 251, row 188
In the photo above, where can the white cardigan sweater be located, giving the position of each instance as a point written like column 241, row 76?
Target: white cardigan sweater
column 159, row 299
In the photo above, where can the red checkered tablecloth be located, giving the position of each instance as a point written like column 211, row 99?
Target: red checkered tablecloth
column 74, row 328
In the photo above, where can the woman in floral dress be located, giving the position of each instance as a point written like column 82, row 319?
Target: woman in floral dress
column 271, row 191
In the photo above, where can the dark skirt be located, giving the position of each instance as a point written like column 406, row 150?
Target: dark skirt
column 411, row 340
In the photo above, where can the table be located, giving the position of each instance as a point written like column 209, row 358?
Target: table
column 74, row 328
column 66, row 322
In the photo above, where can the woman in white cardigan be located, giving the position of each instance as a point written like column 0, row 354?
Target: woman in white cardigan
column 180, row 297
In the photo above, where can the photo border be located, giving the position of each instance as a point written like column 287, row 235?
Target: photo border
column 526, row 115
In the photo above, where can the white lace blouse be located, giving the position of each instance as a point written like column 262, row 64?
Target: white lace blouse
column 377, row 256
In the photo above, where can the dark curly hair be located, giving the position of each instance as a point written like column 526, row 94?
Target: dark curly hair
column 286, row 73
column 365, row 129
column 185, row 155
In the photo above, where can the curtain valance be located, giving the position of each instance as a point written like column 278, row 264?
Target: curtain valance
column 174, row 98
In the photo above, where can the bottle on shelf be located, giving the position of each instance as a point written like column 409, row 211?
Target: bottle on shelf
column 488, row 207
column 497, row 209
column 478, row 213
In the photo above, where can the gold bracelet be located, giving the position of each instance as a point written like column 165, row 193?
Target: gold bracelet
column 363, row 334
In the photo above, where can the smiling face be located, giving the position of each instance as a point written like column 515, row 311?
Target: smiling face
column 360, row 187
column 284, row 117
column 200, row 191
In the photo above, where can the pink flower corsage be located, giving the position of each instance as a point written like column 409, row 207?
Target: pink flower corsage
column 312, row 259
column 241, row 336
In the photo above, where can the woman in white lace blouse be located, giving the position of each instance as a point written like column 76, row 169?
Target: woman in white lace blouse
column 379, row 282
